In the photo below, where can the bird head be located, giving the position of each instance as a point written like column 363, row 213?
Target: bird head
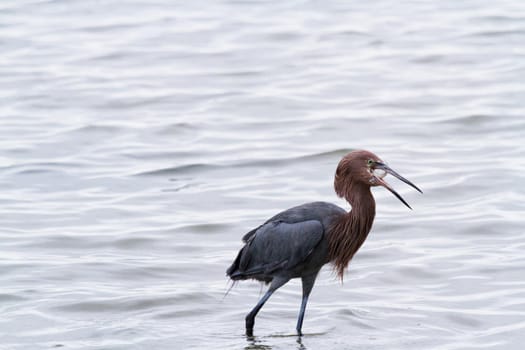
column 366, row 169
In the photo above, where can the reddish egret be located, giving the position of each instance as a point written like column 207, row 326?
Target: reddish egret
column 299, row 241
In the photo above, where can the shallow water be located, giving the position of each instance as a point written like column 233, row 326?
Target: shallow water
column 140, row 140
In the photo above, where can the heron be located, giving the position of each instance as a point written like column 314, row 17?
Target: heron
column 299, row 241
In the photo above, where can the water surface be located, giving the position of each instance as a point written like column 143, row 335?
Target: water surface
column 140, row 140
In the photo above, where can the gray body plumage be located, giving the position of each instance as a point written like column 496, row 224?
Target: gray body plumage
column 291, row 244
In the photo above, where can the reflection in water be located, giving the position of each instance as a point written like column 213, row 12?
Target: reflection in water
column 300, row 344
column 255, row 343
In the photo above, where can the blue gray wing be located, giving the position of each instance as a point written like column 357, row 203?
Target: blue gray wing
column 275, row 246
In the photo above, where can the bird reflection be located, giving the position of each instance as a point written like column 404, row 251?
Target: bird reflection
column 256, row 344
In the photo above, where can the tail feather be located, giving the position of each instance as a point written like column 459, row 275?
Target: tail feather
column 236, row 272
column 233, row 269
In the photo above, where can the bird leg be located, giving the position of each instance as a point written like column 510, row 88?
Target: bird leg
column 250, row 318
column 308, row 283
column 301, row 315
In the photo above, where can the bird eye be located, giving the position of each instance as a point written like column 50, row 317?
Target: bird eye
column 370, row 162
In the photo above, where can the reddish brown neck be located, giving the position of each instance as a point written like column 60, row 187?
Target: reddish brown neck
column 350, row 231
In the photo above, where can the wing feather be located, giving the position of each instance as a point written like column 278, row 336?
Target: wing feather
column 276, row 245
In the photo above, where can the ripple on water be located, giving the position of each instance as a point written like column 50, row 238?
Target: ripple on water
column 131, row 304
column 182, row 169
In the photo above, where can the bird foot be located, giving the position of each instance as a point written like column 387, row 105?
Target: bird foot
column 249, row 332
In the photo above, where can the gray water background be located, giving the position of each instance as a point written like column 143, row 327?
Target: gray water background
column 141, row 139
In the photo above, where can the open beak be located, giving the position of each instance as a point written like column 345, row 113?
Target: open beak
column 382, row 182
